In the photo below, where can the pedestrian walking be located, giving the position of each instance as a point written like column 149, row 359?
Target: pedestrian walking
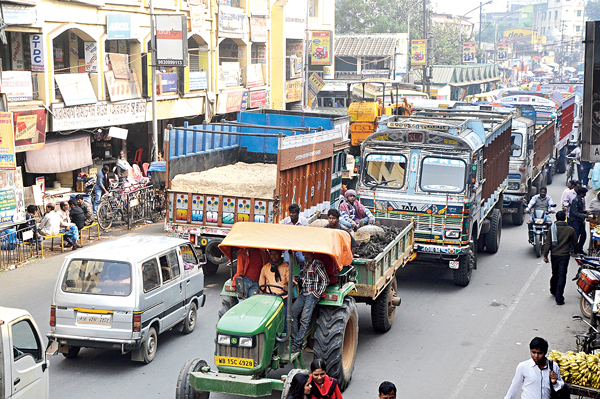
column 561, row 237
column 100, row 188
column 300, row 387
column 534, row 376
column 323, row 386
column 577, row 217
column 387, row 390
column 568, row 195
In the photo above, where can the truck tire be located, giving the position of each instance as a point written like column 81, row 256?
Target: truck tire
column 537, row 245
column 189, row 323
column 549, row 176
column 462, row 275
column 210, row 269
column 492, row 237
column 585, row 307
column 382, row 309
column 73, row 351
column 227, row 303
column 184, row 390
column 336, row 339
column 519, row 217
column 285, row 392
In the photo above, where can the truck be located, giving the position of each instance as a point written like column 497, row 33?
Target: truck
column 307, row 153
column 23, row 362
column 446, row 172
column 261, row 320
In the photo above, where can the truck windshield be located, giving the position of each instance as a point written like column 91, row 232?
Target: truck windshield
column 443, row 174
column 385, row 170
column 516, row 144
column 97, row 277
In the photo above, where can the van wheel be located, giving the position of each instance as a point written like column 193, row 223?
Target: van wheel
column 190, row 320
column 72, row 352
column 184, row 390
column 149, row 346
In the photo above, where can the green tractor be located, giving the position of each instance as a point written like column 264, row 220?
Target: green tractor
column 253, row 337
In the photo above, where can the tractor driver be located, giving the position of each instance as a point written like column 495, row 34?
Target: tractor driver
column 274, row 275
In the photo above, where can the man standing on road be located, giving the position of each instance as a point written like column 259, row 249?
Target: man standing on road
column 387, row 390
column 568, row 195
column 295, row 219
column 534, row 375
column 577, row 217
column 100, row 188
column 560, row 238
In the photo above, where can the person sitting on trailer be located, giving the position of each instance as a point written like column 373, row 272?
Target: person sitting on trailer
column 333, row 216
column 353, row 214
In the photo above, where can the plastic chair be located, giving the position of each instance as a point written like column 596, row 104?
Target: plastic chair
column 138, row 156
column 145, row 167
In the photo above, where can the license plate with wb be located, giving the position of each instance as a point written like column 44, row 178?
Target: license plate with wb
column 92, row 318
column 234, row 361
column 454, row 264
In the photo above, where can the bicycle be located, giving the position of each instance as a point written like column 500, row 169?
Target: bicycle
column 571, row 168
column 113, row 205
column 159, row 205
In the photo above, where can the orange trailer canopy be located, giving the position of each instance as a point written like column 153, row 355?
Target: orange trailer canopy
column 331, row 242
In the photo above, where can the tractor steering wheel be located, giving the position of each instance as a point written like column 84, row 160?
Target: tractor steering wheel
column 268, row 289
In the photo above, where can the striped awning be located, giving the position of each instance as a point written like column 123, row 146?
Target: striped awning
column 376, row 45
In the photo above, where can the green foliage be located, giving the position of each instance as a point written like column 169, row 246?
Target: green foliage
column 592, row 10
column 446, row 48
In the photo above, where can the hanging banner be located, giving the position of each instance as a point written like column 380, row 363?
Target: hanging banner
column 418, row 52
column 315, row 84
column 30, row 129
column 91, row 56
column 7, row 142
column 36, row 43
column 469, row 53
column 16, row 50
column 258, row 29
column 502, row 52
column 171, row 40
column 320, row 48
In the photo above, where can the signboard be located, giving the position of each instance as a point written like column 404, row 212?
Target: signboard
column 97, row 115
column 293, row 90
column 14, row 14
column 258, row 99
column 232, row 23
column 320, row 47
column 17, row 85
column 259, row 7
column 294, row 20
column 258, row 29
column 418, row 53
column 36, row 43
column 30, row 129
column 16, row 51
column 315, row 84
column 168, row 82
column 12, row 197
column 254, row 76
column 171, row 40
column 469, row 53
column 198, row 80
column 232, row 101
column 590, row 133
column 118, row 63
column 75, row 88
column 122, row 89
column 118, row 26
column 196, row 18
column 229, row 74
column 502, row 52
column 303, row 149
column 91, row 56
column 7, row 142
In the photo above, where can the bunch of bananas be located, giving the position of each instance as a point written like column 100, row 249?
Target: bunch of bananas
column 578, row 368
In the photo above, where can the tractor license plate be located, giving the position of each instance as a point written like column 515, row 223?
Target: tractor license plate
column 454, row 264
column 234, row 361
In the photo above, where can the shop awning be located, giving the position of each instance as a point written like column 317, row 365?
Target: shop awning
column 61, row 154
column 475, row 82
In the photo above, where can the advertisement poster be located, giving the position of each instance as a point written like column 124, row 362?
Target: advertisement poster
column 418, row 52
column 91, row 56
column 196, row 18
column 232, row 24
column 75, row 88
column 122, row 89
column 30, row 129
column 469, row 52
column 37, row 52
column 254, row 76
column 320, row 48
column 171, row 40
column 258, row 99
column 198, row 80
column 293, row 90
column 315, row 84
column 118, row 26
column 7, row 142
column 16, row 49
column 17, row 85
column 258, row 29
column 502, row 52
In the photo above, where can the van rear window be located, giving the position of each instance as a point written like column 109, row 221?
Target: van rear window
column 97, row 277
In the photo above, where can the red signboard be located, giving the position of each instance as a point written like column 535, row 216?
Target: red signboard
column 30, row 129
column 258, row 99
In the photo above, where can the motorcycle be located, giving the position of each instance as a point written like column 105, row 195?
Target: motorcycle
column 588, row 286
column 590, row 341
column 540, row 229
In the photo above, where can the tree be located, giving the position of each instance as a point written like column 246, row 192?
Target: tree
column 446, row 47
column 592, row 10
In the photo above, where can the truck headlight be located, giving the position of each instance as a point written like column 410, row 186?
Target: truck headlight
column 224, row 340
column 452, row 233
column 245, row 342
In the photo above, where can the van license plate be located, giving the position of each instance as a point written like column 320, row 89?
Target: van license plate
column 90, row 318
column 454, row 264
column 234, row 361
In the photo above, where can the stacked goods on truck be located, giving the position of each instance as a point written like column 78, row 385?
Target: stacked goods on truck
column 447, row 172
column 251, row 170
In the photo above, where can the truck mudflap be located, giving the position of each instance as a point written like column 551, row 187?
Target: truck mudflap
column 234, row 384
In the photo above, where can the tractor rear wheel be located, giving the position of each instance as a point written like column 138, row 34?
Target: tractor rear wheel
column 227, row 303
column 184, row 389
column 336, row 340
column 383, row 310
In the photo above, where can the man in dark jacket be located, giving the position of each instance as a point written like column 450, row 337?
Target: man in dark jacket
column 577, row 216
column 559, row 240
column 76, row 214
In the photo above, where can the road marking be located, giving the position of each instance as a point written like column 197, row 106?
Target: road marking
column 493, row 335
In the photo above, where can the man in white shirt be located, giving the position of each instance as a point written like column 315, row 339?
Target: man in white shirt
column 534, row 375
column 295, row 219
column 50, row 224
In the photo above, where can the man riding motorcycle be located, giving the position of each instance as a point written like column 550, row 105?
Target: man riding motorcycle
column 542, row 202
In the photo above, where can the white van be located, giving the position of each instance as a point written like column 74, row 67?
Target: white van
column 122, row 293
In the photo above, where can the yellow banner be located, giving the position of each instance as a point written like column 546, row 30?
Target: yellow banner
column 7, row 142
column 418, row 53
column 320, row 47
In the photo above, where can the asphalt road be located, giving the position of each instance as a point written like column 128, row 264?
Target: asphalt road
column 446, row 342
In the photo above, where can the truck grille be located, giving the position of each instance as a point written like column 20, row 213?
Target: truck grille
column 425, row 225
column 244, row 353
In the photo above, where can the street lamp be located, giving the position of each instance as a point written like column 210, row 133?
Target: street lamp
column 496, row 32
column 461, row 20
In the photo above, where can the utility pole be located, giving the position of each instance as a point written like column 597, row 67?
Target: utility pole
column 480, row 9
column 153, row 52
column 426, row 38
column 305, row 94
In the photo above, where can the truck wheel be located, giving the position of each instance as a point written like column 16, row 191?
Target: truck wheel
column 519, row 217
column 462, row 275
column 210, row 269
column 492, row 237
column 549, row 176
column 336, row 339
column 73, row 351
column 537, row 246
column 149, row 346
column 288, row 381
column 227, row 303
column 382, row 309
column 214, row 254
column 190, row 319
column 586, row 307
column 184, row 389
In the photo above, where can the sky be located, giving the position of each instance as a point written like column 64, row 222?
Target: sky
column 462, row 6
